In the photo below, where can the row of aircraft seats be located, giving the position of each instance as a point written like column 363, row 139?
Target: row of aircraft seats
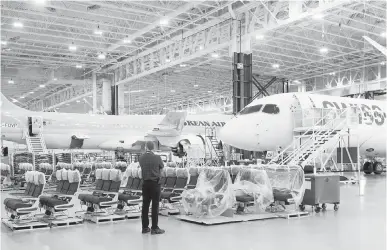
column 26, row 203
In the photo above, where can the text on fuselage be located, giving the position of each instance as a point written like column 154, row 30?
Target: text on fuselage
column 372, row 114
column 204, row 123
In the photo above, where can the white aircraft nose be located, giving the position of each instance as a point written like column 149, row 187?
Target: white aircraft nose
column 240, row 133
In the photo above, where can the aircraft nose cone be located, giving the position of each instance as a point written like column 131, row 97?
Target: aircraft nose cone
column 234, row 133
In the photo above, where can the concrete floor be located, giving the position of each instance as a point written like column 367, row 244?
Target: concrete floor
column 360, row 223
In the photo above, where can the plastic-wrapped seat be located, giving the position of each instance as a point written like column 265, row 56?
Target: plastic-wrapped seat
column 212, row 196
column 170, row 179
column 30, row 186
column 132, row 194
column 27, row 205
column 235, row 169
column 252, row 188
column 193, row 177
column 287, row 183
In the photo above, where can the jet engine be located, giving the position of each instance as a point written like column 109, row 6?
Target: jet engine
column 192, row 146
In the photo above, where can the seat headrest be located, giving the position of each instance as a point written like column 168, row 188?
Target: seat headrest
column 98, row 174
column 29, row 176
column 39, row 178
column 121, row 164
column 170, row 172
column 105, row 174
column 45, row 165
column 171, row 164
column 115, row 175
column 65, row 174
column 59, row 174
column 194, row 171
column 182, row 173
column 88, row 165
column 74, row 176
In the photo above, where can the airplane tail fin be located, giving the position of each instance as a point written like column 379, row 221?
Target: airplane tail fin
column 171, row 125
column 6, row 105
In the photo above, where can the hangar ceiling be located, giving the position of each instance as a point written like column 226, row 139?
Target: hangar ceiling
column 53, row 46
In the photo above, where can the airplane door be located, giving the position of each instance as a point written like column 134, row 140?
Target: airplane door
column 35, row 125
column 305, row 111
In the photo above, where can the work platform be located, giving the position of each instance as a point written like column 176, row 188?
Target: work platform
column 25, row 225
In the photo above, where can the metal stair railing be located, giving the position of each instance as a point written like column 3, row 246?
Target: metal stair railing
column 310, row 129
column 310, row 143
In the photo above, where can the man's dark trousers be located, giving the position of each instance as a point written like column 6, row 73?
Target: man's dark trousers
column 150, row 192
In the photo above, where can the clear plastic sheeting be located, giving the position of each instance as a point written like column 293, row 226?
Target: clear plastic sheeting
column 115, row 175
column 59, row 174
column 287, row 183
column 105, row 174
column 98, row 174
column 65, row 175
column 74, row 176
column 29, row 176
column 253, row 185
column 39, row 178
column 212, row 196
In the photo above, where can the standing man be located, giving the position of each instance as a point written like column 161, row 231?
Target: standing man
column 151, row 165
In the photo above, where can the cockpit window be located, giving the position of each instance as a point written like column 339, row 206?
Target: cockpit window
column 251, row 109
column 270, row 109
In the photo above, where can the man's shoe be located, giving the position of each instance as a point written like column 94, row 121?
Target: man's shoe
column 146, row 230
column 157, row 231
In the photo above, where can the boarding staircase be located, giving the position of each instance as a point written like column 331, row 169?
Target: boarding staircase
column 321, row 133
column 36, row 143
column 210, row 133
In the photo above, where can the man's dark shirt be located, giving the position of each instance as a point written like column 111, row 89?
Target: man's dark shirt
column 150, row 166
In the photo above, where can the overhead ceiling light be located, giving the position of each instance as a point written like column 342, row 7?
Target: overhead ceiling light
column 168, row 100
column 214, row 55
column 383, row 63
column 127, row 40
column 318, row 16
column 72, row 47
column 209, row 91
column 31, row 92
column 137, row 91
column 195, row 86
column 150, row 110
column 332, row 73
column 98, row 31
column 22, row 97
column 296, row 81
column 173, row 91
column 153, row 96
column 164, row 108
column 167, row 60
column 164, row 21
column 201, row 47
column 78, row 101
column 42, row 85
column 324, row 50
column 259, row 37
column 4, row 43
column 126, row 92
column 383, row 34
column 18, row 24
column 275, row 65
column 78, row 66
column 183, row 65
column 14, row 100
column 55, row 79
column 11, row 81
column 40, row 2
column 101, row 56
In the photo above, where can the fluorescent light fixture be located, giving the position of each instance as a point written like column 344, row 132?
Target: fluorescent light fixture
column 383, row 34
column 31, row 92
column 137, row 91
column 296, row 81
column 40, row 2
column 150, row 110
column 164, row 108
column 168, row 100
column 11, row 81
column 126, row 92
column 318, row 16
column 183, row 65
column 275, row 65
column 4, row 43
column 22, row 97
column 78, row 101
column 14, row 100
column 18, row 24
column 173, row 91
column 383, row 63
column 209, row 91
column 259, row 37
column 78, row 66
column 153, row 96
column 164, row 21
column 55, row 79
column 195, row 86
column 72, row 47
column 101, row 56
column 214, row 55
column 201, row 47
column 127, row 40
column 332, row 73
column 167, row 60
column 98, row 32
column 324, row 50
column 42, row 85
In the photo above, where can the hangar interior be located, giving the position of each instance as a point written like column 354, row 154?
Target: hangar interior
column 86, row 83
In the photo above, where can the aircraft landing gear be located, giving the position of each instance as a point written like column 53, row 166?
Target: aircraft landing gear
column 377, row 167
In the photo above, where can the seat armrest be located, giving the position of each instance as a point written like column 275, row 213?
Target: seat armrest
column 27, row 199
column 176, row 198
